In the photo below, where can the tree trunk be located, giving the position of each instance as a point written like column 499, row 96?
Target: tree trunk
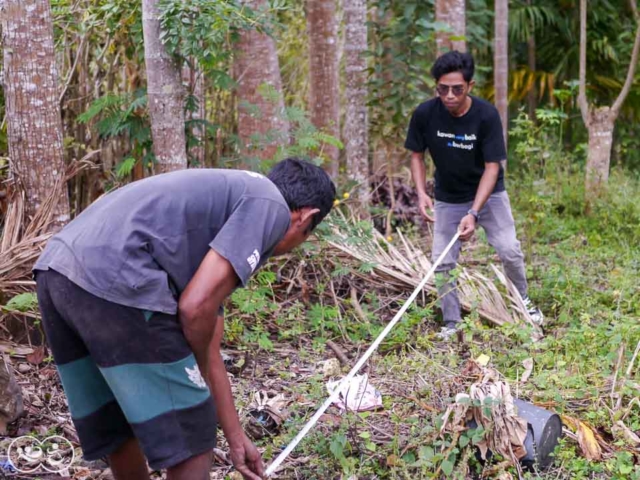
column 165, row 95
column 324, row 95
column 34, row 123
column 259, row 114
column 600, row 127
column 532, row 101
column 600, row 121
column 356, row 133
column 501, row 63
column 453, row 13
column 193, row 79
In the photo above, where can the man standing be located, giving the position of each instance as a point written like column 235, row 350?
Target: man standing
column 131, row 296
column 463, row 135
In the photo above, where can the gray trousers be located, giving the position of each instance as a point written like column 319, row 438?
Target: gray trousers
column 497, row 221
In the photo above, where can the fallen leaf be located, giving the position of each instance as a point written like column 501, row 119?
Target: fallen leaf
column 483, row 360
column 392, row 460
column 528, row 368
column 37, row 357
column 586, row 438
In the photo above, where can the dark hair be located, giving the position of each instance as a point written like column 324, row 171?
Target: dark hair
column 454, row 61
column 303, row 184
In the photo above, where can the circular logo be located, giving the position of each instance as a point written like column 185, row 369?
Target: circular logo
column 54, row 454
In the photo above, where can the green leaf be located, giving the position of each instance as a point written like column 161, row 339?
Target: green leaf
column 447, row 467
column 426, row 453
column 24, row 302
column 125, row 167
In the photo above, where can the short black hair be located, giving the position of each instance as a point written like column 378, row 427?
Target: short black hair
column 454, row 61
column 303, row 184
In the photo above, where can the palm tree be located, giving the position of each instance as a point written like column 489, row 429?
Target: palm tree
column 453, row 14
column 356, row 129
column 262, row 123
column 34, row 123
column 501, row 62
column 600, row 120
column 165, row 95
column 324, row 93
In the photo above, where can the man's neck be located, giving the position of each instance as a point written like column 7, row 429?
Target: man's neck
column 465, row 108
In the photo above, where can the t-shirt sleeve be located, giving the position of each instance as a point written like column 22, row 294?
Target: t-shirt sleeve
column 416, row 140
column 493, row 148
column 250, row 234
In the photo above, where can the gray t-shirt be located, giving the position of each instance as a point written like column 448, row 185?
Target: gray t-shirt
column 140, row 245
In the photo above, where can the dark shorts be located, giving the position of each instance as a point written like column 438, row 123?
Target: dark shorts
column 126, row 372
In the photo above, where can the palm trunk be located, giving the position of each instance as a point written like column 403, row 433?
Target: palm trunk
column 193, row 77
column 453, row 13
column 600, row 121
column 501, row 63
column 324, row 95
column 256, row 64
column 600, row 127
column 165, row 95
column 356, row 133
column 532, row 101
column 34, row 123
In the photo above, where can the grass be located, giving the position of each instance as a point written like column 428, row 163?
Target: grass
column 583, row 272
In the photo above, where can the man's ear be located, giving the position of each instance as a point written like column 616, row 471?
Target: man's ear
column 307, row 213
column 471, row 84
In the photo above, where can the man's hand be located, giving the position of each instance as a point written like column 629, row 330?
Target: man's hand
column 247, row 459
column 426, row 205
column 467, row 227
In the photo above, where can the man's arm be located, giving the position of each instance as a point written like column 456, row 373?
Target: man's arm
column 487, row 184
column 198, row 309
column 419, row 174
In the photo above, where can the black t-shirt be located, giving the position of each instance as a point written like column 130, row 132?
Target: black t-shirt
column 459, row 146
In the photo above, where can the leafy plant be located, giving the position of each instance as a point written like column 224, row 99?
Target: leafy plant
column 23, row 302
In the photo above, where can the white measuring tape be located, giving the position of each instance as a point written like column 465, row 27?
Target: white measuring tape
column 285, row 453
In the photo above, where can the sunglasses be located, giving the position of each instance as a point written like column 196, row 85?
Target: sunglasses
column 443, row 90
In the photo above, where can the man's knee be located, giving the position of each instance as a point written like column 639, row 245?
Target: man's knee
column 510, row 252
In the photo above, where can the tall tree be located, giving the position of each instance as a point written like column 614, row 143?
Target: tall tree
column 32, row 101
column 453, row 14
column 600, row 120
column 356, row 128
column 194, row 81
column 165, row 95
column 324, row 94
column 531, row 62
column 501, row 62
column 262, row 123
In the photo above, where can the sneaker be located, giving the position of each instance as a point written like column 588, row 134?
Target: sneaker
column 448, row 331
column 533, row 311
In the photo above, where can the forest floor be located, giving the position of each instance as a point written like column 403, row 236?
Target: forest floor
column 584, row 275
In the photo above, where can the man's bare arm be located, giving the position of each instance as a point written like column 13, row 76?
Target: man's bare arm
column 419, row 174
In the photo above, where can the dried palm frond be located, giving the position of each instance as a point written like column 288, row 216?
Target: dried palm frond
column 406, row 265
column 21, row 244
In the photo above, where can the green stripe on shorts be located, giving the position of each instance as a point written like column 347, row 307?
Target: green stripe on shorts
column 84, row 386
column 147, row 390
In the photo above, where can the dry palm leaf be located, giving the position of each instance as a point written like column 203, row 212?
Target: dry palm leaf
column 489, row 404
column 406, row 265
column 21, row 244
